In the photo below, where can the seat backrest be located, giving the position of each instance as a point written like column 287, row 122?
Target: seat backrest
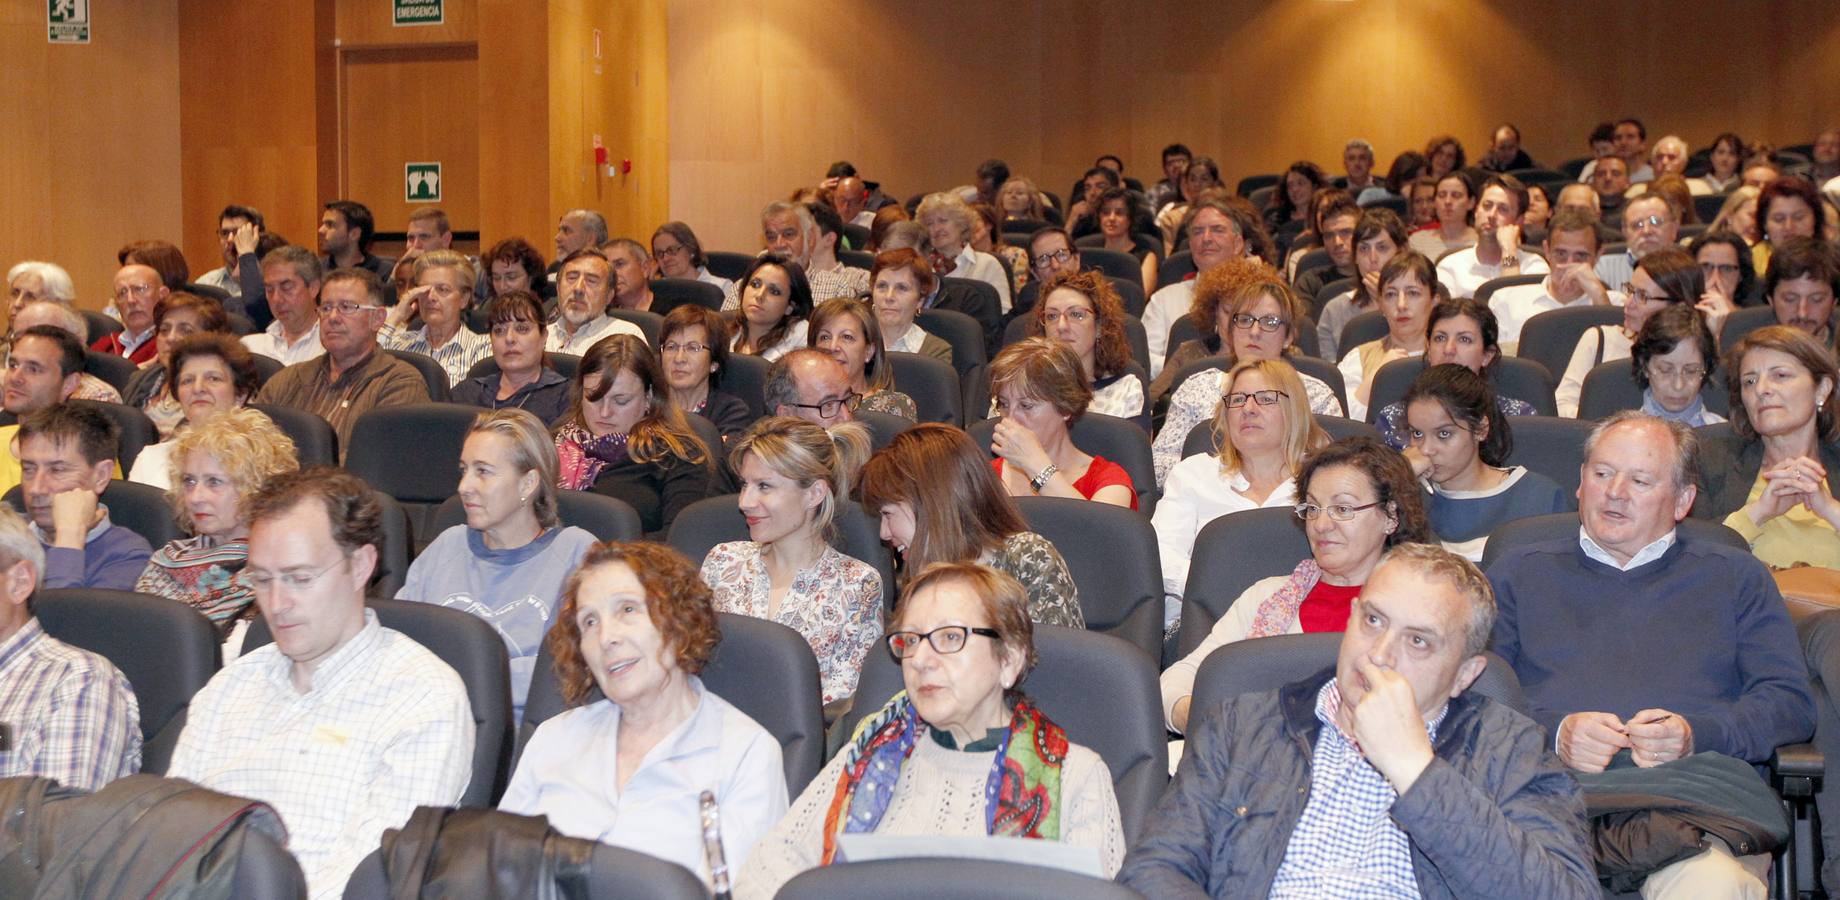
column 607, row 518
column 565, row 364
column 1101, row 689
column 650, row 324
column 949, row 879
column 1311, row 261
column 1261, row 198
column 1113, row 263
column 670, row 293
column 1231, row 553
column 101, row 325
column 976, row 299
column 1707, row 206
column 428, row 434
column 1329, row 291
column 882, row 426
column 745, row 376
column 1118, row 440
column 1611, row 386
column 266, row 367
column 932, row 384
column 1551, row 446
column 717, row 520
column 1139, row 339
column 265, row 868
column 1488, row 288
column 966, row 338
column 167, row 651
column 764, row 668
column 475, row 651
column 1023, row 226
column 731, row 266
column 1174, row 269
column 137, row 431
column 1550, row 338
column 1252, row 183
column 857, row 259
column 432, row 373
column 1745, row 321
column 1364, row 327
column 398, row 547
column 1131, row 294
column 116, row 370
column 1111, row 553
column 315, row 442
column 1522, row 379
column 1539, row 529
column 1201, row 437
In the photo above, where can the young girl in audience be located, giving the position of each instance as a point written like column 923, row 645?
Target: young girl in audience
column 1423, row 204
column 1082, row 310
column 1664, row 277
column 775, row 301
column 845, row 329
column 900, row 281
column 1463, row 332
column 1378, row 237
column 1673, row 358
column 1041, row 391
column 1408, row 289
column 1291, row 202
column 1262, row 432
column 1119, row 213
column 1455, row 202
column 1458, row 445
column 622, row 437
column 693, row 345
column 939, row 501
column 793, row 474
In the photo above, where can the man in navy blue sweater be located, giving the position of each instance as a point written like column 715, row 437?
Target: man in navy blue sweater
column 1633, row 637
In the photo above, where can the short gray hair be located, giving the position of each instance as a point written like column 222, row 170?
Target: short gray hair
column 1686, row 443
column 57, row 281
column 1435, row 562
column 808, row 226
column 18, row 543
column 625, row 243
column 306, row 265
column 1358, row 144
column 906, row 235
column 63, row 318
column 591, row 220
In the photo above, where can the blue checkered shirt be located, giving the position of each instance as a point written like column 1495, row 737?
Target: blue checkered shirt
column 73, row 714
column 1345, row 843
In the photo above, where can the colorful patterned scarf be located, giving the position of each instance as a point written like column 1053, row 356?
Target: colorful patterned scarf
column 1021, row 799
column 1279, row 611
column 582, row 456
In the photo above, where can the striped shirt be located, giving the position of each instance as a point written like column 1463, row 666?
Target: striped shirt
column 838, row 281
column 73, row 714
column 457, row 356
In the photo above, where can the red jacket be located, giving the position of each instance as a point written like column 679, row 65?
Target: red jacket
column 112, row 345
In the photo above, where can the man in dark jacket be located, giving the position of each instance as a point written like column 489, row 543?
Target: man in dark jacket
column 1382, row 778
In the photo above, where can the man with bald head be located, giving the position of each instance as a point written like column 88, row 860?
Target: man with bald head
column 811, row 385
column 137, row 289
column 850, row 199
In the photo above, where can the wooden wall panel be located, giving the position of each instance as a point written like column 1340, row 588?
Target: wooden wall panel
column 765, row 93
column 514, row 103
column 367, row 23
column 411, row 104
column 621, row 97
column 91, row 159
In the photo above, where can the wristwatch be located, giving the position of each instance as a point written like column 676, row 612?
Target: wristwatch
column 1041, row 479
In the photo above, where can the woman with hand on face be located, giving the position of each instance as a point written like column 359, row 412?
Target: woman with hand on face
column 793, row 474
column 622, row 438
column 900, row 281
column 1082, row 310
column 1455, row 202
column 442, row 294
column 507, row 563
column 1725, row 265
column 1262, row 433
column 775, row 301
column 525, row 378
column 1408, row 290
column 1776, row 479
column 1459, row 444
column 693, row 345
column 1460, row 331
column 929, row 760
column 216, row 374
column 1664, row 277
column 1041, row 391
column 643, row 738
column 844, row 328
column 680, row 255
column 1673, row 357
column 215, row 467
column 514, row 265
column 1378, row 237
column 175, row 317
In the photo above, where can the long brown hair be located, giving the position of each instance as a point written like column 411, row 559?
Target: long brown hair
column 662, row 432
column 960, row 510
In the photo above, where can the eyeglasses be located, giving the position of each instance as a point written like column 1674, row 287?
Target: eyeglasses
column 1047, row 259
column 262, row 582
column 1267, row 324
column 671, row 251
column 1263, row 398
column 137, row 290
column 1637, row 295
column 1649, row 221
column 673, row 348
column 1076, row 316
column 945, row 639
column 1339, row 512
column 1719, row 268
column 344, row 308
column 828, row 408
column 1666, row 372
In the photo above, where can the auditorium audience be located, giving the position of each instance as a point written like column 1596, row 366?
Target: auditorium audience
column 1408, row 290
column 1176, row 158
column 846, row 329
column 68, row 320
column 811, row 385
column 1041, row 390
column 42, row 370
column 622, row 437
column 137, row 290
column 900, row 281
column 1460, row 332
column 927, row 761
column 32, row 281
column 1219, row 230
column 1201, row 176
column 514, row 265
column 1539, row 212
column 177, row 316
column 1358, row 167
column 693, row 346
column 793, row 475
column 1378, row 237
column 1458, row 443
column 1725, row 262
column 342, row 725
column 584, row 289
column 1262, row 431
column 1571, row 250
column 1672, row 360
column 1119, row 213
column 1020, row 199
column 1650, row 223
column 215, row 375
column 775, row 303
column 1082, row 310
column 1400, row 177
column 346, row 229
column 830, row 278
column 576, row 230
column 1296, row 188
column 1082, row 217
column 987, row 237
column 1722, row 166
column 1384, row 777
column 1455, row 204
column 679, row 254
column 947, row 221
column 291, row 279
column 1334, row 219
column 1500, row 213
column 67, row 455
column 441, row 296
column 1704, row 623
column 644, row 738
column 525, row 376
column 632, row 275
column 939, row 501
column 1739, row 215
column 1445, row 155
column 1663, row 277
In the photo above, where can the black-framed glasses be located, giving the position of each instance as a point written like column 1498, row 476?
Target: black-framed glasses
column 1262, row 398
column 945, row 639
column 828, row 408
column 1267, row 324
column 1050, row 258
column 1340, row 512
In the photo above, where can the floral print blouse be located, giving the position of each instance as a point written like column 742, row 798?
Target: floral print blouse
column 836, row 604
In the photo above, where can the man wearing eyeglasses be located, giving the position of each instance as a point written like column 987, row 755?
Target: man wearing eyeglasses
column 1051, row 252
column 1650, row 222
column 811, row 385
column 1384, row 776
column 354, row 376
column 1498, row 250
column 137, row 289
column 342, row 725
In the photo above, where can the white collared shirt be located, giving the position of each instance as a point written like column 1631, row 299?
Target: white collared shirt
column 910, row 340
column 1168, row 304
column 983, row 267
column 273, row 343
column 1515, row 304
column 1642, row 557
column 590, row 333
column 1463, row 272
column 457, row 356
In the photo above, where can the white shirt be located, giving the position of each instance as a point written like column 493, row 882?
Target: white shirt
column 1196, row 494
column 1642, row 557
column 385, row 728
column 456, row 357
column 154, row 465
column 910, row 340
column 1462, row 273
column 568, row 773
column 273, row 344
column 983, row 267
column 1352, row 374
column 1615, row 269
column 1614, row 344
column 1123, row 398
column 705, row 276
column 1235, row 624
column 1160, row 314
column 794, row 339
column 589, row 334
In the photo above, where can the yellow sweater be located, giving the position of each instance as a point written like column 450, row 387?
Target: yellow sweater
column 1793, row 538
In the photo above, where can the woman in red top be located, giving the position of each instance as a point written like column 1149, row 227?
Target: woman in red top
column 1041, row 390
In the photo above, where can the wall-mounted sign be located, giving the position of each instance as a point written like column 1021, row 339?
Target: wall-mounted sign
column 418, row 12
column 67, row 21
column 422, row 182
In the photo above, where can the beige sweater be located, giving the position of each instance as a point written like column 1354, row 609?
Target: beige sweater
column 940, row 792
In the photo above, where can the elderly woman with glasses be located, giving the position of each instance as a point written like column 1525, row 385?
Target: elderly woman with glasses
column 693, row 345
column 1672, row 359
column 928, row 761
column 1041, row 392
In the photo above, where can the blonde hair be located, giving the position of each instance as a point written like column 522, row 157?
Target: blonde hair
column 952, row 207
column 807, row 453
column 447, row 259
column 532, row 450
column 247, row 444
column 1044, row 369
column 1301, row 433
column 878, row 374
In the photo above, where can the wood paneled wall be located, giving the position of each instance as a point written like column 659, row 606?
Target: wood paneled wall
column 620, row 96
column 765, row 94
column 91, row 157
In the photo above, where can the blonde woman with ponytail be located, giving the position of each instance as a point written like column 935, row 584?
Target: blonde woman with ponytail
column 792, row 474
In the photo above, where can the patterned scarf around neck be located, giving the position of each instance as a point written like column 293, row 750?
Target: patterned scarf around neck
column 1279, row 611
column 1022, row 797
column 582, row 456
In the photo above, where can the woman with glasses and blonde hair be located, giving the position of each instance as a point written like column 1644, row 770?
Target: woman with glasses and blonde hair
column 793, row 474
column 1040, row 392
column 846, row 329
column 693, row 345
column 928, row 761
column 1082, row 310
column 1262, row 431
column 507, row 562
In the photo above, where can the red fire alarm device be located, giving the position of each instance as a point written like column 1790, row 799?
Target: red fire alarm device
column 625, row 167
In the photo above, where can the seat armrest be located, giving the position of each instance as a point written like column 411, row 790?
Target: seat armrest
column 1796, row 770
